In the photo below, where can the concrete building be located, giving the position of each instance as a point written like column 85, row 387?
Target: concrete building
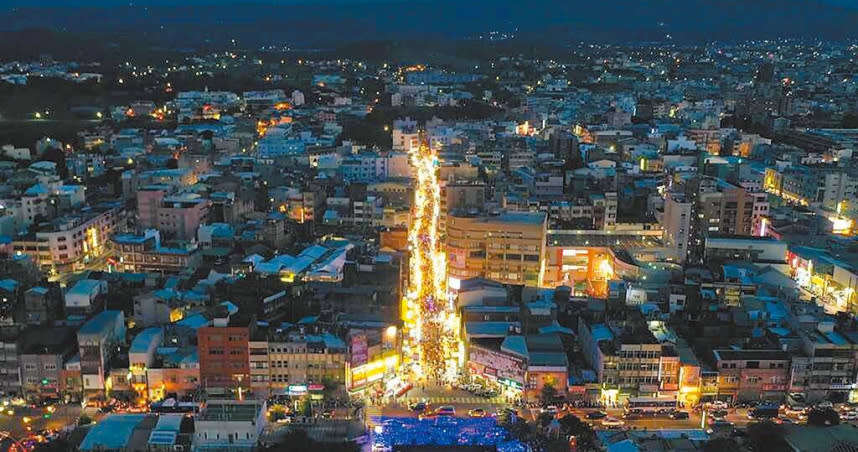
column 509, row 248
column 43, row 352
column 229, row 425
column 223, row 352
column 676, row 223
column 67, row 242
column 84, row 296
column 752, row 374
column 98, row 341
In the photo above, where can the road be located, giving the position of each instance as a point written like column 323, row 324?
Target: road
column 23, row 417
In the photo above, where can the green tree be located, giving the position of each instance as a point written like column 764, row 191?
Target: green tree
column 571, row 425
column 548, row 394
column 822, row 418
column 766, row 436
column 721, row 444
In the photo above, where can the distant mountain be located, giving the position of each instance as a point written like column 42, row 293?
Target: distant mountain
column 325, row 22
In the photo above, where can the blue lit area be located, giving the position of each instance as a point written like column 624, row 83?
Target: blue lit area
column 443, row 431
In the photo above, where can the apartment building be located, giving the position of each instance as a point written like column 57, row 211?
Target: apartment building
column 509, row 248
column 68, row 242
column 676, row 223
column 43, row 353
column 144, row 253
column 98, row 341
column 749, row 374
column 224, row 351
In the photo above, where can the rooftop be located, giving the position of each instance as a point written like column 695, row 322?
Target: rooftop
column 100, row 323
column 112, row 433
column 231, row 411
column 761, row 355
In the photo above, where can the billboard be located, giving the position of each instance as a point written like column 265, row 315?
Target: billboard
column 359, row 349
column 497, row 365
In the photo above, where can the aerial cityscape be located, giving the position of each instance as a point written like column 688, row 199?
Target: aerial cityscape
column 515, row 230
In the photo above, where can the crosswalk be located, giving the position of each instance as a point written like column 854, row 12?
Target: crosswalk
column 451, row 400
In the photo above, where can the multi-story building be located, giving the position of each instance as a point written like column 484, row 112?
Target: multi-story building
column 10, row 365
column 825, row 185
column 98, row 341
column 627, row 359
column 369, row 166
column 41, row 305
column 177, row 216
column 749, row 374
column 43, row 353
column 405, row 135
column 827, row 366
column 223, row 350
column 296, row 358
column 676, row 224
column 509, row 248
column 725, row 208
column 229, row 425
column 66, row 243
column 144, row 253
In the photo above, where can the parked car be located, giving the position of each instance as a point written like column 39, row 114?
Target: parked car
column 550, row 409
column 477, row 412
column 419, row 407
column 783, row 420
column 849, row 416
column 446, row 410
column 679, row 415
column 597, row 415
column 612, row 422
column 718, row 414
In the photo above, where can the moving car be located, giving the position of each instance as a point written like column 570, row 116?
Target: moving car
column 849, row 416
column 327, row 414
column 477, row 412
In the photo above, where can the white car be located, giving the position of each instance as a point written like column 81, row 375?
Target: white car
column 550, row 409
column 849, row 416
column 612, row 422
column 718, row 405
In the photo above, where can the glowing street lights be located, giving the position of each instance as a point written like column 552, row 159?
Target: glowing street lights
column 430, row 319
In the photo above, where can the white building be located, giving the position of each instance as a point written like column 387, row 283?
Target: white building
column 297, row 98
column 229, row 425
column 82, row 295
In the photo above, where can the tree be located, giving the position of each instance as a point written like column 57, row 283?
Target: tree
column 548, row 394
column 571, row 425
column 84, row 420
column 822, row 418
column 298, row 440
column 59, row 157
column 330, row 388
column 721, row 445
column 766, row 436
